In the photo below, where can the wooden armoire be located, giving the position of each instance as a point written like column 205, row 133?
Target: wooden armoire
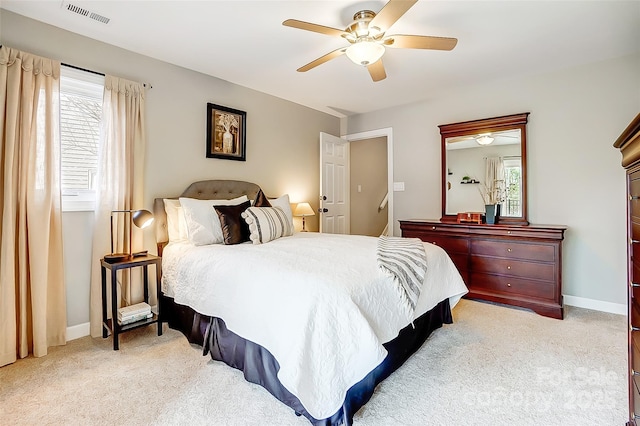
column 629, row 145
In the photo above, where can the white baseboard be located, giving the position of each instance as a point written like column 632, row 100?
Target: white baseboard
column 596, row 305
column 78, row 331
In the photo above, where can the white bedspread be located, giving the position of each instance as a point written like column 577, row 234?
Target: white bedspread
column 317, row 302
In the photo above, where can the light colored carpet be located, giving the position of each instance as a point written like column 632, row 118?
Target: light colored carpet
column 495, row 365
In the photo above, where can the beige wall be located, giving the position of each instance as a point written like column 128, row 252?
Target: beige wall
column 368, row 169
column 282, row 137
column 574, row 173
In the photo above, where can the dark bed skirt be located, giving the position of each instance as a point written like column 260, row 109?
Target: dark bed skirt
column 260, row 367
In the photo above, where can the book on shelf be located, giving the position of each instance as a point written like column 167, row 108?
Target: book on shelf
column 138, row 308
column 134, row 318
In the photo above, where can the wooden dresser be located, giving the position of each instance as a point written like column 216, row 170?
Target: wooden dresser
column 629, row 145
column 512, row 264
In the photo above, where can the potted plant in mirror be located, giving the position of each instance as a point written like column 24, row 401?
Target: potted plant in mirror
column 492, row 196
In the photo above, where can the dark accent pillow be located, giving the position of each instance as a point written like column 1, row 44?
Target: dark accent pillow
column 234, row 228
column 261, row 200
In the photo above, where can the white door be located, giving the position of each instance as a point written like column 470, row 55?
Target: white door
column 334, row 184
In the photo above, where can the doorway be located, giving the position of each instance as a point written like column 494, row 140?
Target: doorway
column 332, row 177
column 368, row 186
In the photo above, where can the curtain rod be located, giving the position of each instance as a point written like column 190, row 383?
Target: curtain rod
column 97, row 73
column 506, row 156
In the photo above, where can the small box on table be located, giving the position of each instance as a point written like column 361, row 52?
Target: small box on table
column 470, row 217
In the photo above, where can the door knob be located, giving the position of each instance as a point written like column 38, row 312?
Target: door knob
column 323, row 197
column 323, row 210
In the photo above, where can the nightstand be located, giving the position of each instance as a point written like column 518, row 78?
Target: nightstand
column 112, row 324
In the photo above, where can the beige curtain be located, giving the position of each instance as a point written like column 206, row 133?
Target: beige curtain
column 32, row 292
column 120, row 182
column 494, row 179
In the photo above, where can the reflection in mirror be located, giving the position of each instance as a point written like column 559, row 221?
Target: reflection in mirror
column 484, row 162
column 484, row 169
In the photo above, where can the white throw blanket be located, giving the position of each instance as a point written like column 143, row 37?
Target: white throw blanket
column 317, row 302
column 405, row 260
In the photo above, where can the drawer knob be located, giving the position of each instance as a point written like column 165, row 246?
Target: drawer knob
column 509, row 267
column 509, row 250
column 434, row 243
column 508, row 232
column 632, row 328
column 433, row 227
column 508, row 284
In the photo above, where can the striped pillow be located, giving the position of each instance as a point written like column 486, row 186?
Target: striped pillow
column 267, row 224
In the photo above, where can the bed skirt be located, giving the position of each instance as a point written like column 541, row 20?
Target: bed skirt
column 260, row 367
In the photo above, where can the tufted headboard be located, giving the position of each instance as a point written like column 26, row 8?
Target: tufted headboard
column 203, row 190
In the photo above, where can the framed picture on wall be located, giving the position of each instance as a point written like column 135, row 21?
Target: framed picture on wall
column 226, row 133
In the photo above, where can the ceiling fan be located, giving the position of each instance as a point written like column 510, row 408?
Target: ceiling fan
column 486, row 138
column 368, row 40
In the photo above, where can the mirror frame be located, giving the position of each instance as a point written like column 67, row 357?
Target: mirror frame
column 487, row 125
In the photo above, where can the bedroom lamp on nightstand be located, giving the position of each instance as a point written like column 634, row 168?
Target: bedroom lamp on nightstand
column 303, row 210
column 140, row 218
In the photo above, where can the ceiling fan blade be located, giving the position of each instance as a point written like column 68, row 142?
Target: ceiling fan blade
column 308, row 26
column 390, row 13
column 377, row 71
column 420, row 42
column 322, row 59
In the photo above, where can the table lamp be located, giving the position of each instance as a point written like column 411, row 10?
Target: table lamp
column 140, row 218
column 303, row 210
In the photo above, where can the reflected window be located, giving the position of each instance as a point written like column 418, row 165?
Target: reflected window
column 512, row 205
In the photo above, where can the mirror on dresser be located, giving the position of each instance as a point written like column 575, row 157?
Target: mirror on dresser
column 484, row 157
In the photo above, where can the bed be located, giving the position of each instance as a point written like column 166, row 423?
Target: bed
column 308, row 316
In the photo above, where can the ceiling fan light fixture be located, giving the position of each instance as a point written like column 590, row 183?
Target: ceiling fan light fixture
column 365, row 52
column 484, row 140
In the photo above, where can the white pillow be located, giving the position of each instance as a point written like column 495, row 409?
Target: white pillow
column 285, row 205
column 176, row 223
column 203, row 224
column 267, row 224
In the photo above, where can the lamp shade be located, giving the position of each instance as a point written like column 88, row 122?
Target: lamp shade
column 365, row 52
column 303, row 209
column 142, row 218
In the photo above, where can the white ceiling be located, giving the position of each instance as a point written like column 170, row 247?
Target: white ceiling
column 245, row 43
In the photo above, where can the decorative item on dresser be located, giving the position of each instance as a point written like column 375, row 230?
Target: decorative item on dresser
column 629, row 145
column 511, row 264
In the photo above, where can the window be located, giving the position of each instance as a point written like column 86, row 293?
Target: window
column 512, row 172
column 80, row 115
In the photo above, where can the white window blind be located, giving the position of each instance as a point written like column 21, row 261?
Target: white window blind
column 80, row 116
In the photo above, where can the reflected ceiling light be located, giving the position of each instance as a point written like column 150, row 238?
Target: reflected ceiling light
column 484, row 140
column 365, row 52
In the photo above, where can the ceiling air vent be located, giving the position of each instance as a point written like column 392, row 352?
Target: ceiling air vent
column 84, row 12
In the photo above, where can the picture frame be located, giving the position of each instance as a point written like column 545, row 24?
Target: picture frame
column 226, row 133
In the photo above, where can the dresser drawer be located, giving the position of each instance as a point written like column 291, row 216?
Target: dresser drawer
column 635, row 231
column 634, row 209
column 635, row 314
column 634, row 184
column 635, row 396
column 635, row 350
column 512, row 250
column 514, row 268
column 513, row 286
column 450, row 244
